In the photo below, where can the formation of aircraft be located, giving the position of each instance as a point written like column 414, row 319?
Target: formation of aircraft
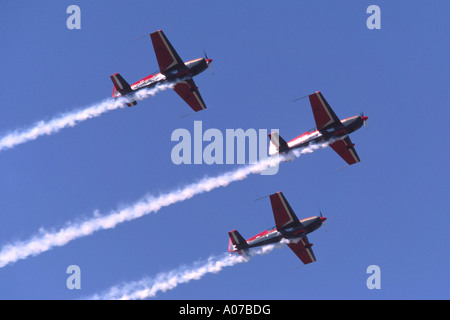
column 172, row 69
column 287, row 226
column 329, row 129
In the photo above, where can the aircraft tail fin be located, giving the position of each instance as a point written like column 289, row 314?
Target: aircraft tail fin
column 237, row 242
column 277, row 144
column 121, row 88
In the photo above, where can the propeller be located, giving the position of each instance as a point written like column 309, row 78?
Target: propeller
column 208, row 62
column 323, row 220
column 364, row 118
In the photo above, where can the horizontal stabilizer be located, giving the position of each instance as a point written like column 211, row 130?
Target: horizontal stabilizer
column 121, row 88
column 277, row 144
column 237, row 240
column 120, row 83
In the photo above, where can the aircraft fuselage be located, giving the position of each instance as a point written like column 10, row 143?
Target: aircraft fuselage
column 349, row 125
column 298, row 231
column 194, row 67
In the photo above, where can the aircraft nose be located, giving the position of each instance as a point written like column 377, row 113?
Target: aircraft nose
column 364, row 118
column 323, row 219
column 208, row 61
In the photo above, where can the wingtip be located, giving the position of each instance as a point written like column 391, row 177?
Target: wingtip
column 155, row 32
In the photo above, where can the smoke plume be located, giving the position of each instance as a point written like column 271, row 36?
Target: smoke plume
column 47, row 240
column 150, row 287
column 73, row 118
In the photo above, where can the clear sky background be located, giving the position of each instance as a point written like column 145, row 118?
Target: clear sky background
column 390, row 210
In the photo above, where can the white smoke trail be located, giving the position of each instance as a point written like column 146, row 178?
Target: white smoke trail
column 46, row 240
column 150, row 287
column 73, row 118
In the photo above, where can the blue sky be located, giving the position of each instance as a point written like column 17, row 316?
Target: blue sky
column 390, row 210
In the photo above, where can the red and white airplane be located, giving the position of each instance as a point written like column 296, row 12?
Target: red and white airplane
column 329, row 129
column 287, row 226
column 172, row 69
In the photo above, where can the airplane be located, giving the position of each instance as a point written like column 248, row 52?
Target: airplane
column 172, row 69
column 287, row 227
column 329, row 129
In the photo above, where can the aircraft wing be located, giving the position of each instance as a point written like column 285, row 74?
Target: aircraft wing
column 168, row 58
column 282, row 211
column 345, row 149
column 303, row 250
column 188, row 91
column 323, row 114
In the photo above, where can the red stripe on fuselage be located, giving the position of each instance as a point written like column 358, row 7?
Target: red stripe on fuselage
column 259, row 235
column 145, row 79
column 308, row 133
column 154, row 75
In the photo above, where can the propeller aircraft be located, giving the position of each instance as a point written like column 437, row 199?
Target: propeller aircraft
column 287, row 226
column 329, row 129
column 172, row 70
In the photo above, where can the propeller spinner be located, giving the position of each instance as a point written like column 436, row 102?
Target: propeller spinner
column 208, row 62
column 364, row 118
